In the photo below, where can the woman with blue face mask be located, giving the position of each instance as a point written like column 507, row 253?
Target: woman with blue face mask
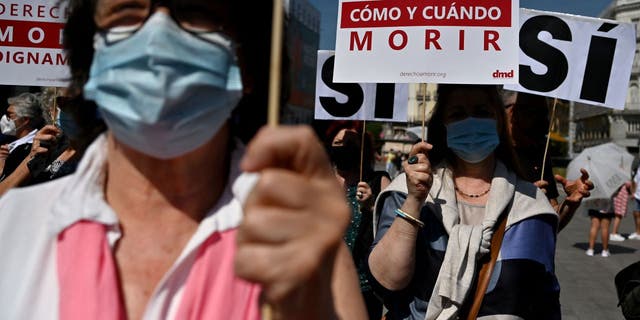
column 158, row 221
column 436, row 221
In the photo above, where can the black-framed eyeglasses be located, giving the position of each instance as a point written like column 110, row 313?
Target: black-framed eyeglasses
column 203, row 19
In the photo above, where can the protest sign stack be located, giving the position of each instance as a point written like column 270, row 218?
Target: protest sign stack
column 31, row 38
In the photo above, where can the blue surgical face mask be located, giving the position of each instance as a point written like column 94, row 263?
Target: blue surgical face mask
column 473, row 139
column 164, row 91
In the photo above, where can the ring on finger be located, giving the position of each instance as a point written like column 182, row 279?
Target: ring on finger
column 413, row 160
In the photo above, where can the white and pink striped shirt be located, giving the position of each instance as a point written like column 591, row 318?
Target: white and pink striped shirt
column 44, row 275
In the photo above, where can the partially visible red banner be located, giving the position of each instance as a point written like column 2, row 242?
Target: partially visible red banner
column 402, row 13
column 31, row 34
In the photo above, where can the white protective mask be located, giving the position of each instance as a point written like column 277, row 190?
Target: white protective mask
column 7, row 126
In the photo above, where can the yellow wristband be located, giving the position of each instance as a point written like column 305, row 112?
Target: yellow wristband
column 409, row 218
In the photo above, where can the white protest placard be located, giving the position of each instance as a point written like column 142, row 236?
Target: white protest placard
column 575, row 58
column 357, row 101
column 31, row 43
column 436, row 41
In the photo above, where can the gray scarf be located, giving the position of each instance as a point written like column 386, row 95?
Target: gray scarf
column 466, row 243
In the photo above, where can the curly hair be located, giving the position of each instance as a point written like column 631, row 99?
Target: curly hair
column 48, row 97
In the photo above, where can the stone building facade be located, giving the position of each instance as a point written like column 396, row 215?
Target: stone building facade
column 596, row 125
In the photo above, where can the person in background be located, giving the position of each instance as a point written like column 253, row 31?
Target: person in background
column 4, row 153
column 528, row 118
column 390, row 158
column 38, row 163
column 22, row 120
column 397, row 162
column 620, row 206
column 171, row 213
column 437, row 220
column 351, row 160
column 53, row 155
column 635, row 235
column 62, row 156
column 600, row 222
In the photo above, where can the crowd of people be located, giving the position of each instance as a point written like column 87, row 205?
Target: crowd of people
column 353, row 156
column 39, row 140
column 157, row 192
column 157, row 220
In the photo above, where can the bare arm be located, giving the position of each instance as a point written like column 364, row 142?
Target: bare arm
column 576, row 190
column 4, row 153
column 16, row 178
column 565, row 212
column 22, row 173
column 345, row 287
column 392, row 261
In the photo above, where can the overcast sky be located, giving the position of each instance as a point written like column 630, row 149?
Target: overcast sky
column 329, row 11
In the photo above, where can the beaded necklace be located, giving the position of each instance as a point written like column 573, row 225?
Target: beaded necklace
column 473, row 195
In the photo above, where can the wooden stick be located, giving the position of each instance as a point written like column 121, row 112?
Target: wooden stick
column 546, row 148
column 424, row 113
column 274, row 94
column 266, row 312
column 54, row 110
column 276, row 63
column 364, row 130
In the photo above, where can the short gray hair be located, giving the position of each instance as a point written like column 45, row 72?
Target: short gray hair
column 26, row 105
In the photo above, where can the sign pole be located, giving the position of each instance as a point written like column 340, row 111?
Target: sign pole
column 424, row 112
column 267, row 310
column 364, row 130
column 572, row 128
column 276, row 63
column 546, row 148
column 54, row 110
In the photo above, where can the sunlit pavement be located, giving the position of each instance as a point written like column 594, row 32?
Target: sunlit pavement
column 587, row 289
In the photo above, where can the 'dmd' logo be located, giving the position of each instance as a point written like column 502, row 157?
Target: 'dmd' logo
column 501, row 74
